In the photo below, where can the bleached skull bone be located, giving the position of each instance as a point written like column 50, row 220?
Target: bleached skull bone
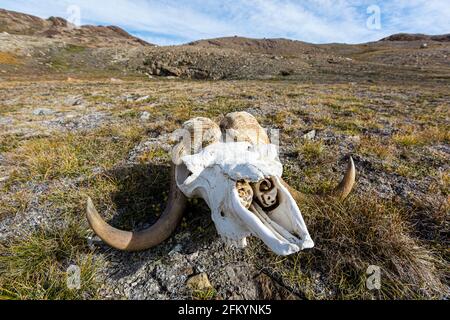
column 240, row 180
column 214, row 175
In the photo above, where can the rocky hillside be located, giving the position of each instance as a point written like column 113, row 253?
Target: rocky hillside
column 58, row 28
column 30, row 47
column 285, row 47
column 417, row 37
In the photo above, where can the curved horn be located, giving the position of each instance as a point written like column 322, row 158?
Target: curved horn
column 297, row 195
column 345, row 187
column 145, row 239
column 342, row 190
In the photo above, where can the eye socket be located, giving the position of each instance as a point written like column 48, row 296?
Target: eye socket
column 266, row 193
column 265, row 185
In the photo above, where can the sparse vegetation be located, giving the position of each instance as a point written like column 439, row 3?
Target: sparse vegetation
column 8, row 58
column 310, row 150
column 108, row 107
column 35, row 266
column 401, row 232
column 352, row 235
column 68, row 155
column 207, row 294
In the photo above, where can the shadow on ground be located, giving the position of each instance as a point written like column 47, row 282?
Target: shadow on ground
column 140, row 199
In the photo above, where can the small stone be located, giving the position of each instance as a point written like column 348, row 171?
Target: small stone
column 5, row 121
column 142, row 98
column 230, row 272
column 200, row 268
column 114, row 80
column 186, row 271
column 354, row 139
column 176, row 249
column 199, row 282
column 193, row 256
column 310, row 135
column 43, row 112
column 145, row 116
column 73, row 101
column 97, row 170
column 3, row 179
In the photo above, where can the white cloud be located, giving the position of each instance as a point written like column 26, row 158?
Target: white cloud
column 319, row 21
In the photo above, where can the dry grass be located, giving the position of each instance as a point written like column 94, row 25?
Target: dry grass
column 8, row 142
column 35, row 267
column 207, row 294
column 394, row 132
column 352, row 235
column 70, row 155
column 428, row 136
column 15, row 203
column 309, row 150
column 8, row 58
column 376, row 147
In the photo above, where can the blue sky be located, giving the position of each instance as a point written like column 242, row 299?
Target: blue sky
column 167, row 22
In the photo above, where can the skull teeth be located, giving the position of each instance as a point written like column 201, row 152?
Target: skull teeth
column 245, row 192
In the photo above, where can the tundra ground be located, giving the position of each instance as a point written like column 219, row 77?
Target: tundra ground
column 61, row 141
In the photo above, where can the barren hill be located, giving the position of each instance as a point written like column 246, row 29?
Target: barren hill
column 265, row 46
column 31, row 46
column 58, row 28
column 417, row 37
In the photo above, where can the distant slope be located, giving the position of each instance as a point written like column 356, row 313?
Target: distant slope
column 53, row 47
column 58, row 28
column 417, row 37
column 264, row 46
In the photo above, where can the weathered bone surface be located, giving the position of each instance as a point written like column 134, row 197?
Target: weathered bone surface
column 245, row 192
column 265, row 193
column 242, row 126
column 237, row 172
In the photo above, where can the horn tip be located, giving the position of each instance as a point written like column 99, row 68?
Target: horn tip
column 352, row 162
column 347, row 183
column 90, row 209
column 351, row 165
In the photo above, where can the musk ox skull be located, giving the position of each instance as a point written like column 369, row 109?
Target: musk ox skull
column 237, row 171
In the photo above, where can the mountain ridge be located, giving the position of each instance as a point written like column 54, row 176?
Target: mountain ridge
column 18, row 23
column 31, row 46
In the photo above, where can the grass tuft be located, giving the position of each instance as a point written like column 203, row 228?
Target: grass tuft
column 354, row 234
column 70, row 155
column 310, row 150
column 35, row 267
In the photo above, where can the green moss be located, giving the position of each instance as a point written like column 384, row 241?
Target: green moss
column 73, row 154
column 35, row 267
